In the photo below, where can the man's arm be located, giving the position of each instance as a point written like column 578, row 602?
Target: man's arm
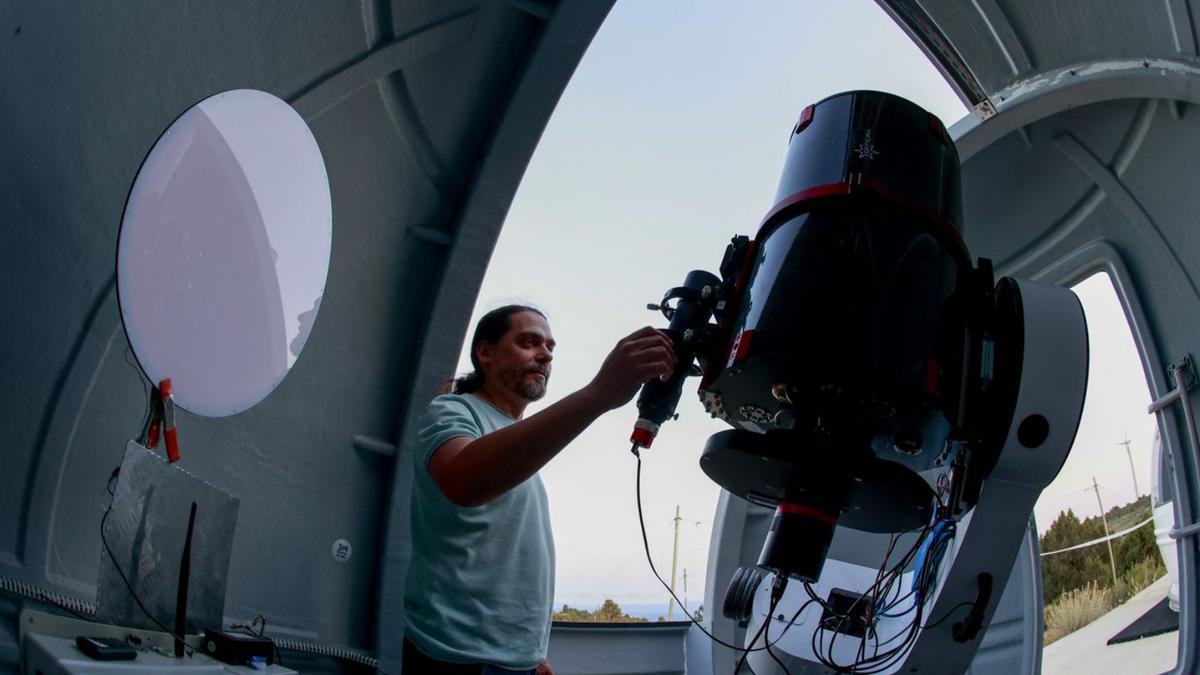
column 472, row 472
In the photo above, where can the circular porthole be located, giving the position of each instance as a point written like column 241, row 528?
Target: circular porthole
column 224, row 249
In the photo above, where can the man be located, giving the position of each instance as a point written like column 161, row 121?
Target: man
column 480, row 583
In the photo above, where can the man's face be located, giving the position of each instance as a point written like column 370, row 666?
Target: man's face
column 520, row 361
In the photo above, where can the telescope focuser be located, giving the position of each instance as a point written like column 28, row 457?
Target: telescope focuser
column 691, row 337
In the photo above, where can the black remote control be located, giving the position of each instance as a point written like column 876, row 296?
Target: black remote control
column 105, row 648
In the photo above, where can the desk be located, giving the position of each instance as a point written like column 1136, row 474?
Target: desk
column 48, row 648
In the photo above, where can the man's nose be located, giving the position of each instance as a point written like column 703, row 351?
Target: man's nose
column 545, row 355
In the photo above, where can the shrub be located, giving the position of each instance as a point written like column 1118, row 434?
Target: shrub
column 1075, row 609
column 1145, row 572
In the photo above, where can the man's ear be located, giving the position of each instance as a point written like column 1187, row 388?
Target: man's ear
column 483, row 352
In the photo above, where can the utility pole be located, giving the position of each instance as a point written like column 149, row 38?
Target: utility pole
column 1126, row 443
column 1112, row 561
column 674, row 563
column 685, row 600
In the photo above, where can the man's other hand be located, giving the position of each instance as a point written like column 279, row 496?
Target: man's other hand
column 643, row 355
column 544, row 668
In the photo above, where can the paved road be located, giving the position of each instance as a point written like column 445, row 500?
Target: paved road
column 1085, row 651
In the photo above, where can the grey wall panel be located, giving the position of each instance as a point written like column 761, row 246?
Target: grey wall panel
column 1011, row 204
column 403, row 102
column 992, row 226
column 1074, row 31
column 88, row 90
column 480, row 70
column 91, row 422
column 278, row 456
column 1137, row 225
column 1135, row 194
column 1013, row 641
column 1004, row 42
column 1163, row 179
column 983, row 36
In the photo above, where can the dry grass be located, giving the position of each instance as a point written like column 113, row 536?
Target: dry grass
column 1075, row 609
column 1143, row 574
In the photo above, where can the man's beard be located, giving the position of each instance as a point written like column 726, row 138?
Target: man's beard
column 515, row 381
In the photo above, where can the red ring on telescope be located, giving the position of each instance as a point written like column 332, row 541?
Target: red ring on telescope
column 807, row 512
column 859, row 184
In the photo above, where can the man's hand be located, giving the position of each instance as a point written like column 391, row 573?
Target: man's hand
column 642, row 356
column 472, row 472
column 544, row 668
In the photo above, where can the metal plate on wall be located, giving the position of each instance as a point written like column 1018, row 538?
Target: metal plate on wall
column 145, row 531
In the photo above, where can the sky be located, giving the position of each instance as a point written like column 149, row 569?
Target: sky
column 667, row 142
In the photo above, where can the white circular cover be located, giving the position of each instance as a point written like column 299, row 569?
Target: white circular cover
column 223, row 251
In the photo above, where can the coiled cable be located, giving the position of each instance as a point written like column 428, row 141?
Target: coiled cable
column 80, row 608
column 340, row 653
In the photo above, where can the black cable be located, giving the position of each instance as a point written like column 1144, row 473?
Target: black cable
column 885, row 583
column 262, row 633
column 133, row 593
column 791, row 622
column 761, row 630
column 277, row 644
column 649, row 559
column 767, row 638
column 950, row 611
column 878, row 663
column 141, row 376
column 879, row 577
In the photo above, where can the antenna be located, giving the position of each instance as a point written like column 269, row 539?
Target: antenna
column 181, row 595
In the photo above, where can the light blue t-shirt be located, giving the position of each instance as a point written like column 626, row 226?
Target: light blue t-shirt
column 481, row 579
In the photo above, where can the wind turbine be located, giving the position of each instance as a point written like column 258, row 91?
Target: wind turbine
column 1126, row 443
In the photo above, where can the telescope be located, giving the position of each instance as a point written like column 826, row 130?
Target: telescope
column 876, row 378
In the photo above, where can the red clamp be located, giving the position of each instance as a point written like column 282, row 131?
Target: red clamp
column 160, row 416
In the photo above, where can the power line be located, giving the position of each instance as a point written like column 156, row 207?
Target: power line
column 626, row 562
column 1093, row 542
